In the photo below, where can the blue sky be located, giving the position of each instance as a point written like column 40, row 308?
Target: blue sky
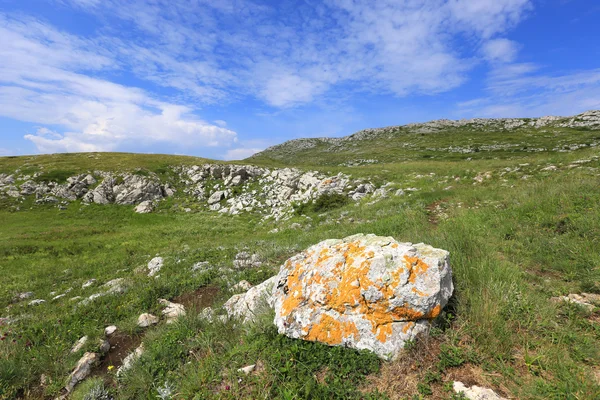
column 226, row 78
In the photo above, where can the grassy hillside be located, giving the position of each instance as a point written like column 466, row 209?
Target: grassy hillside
column 519, row 233
column 439, row 140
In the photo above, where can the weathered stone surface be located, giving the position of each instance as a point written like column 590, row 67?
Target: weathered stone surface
column 130, row 360
column 145, row 320
column 82, row 370
column 172, row 311
column 79, row 344
column 216, row 197
column 109, row 330
column 476, row 392
column 144, row 207
column 364, row 292
column 585, row 300
column 155, row 265
column 247, row 305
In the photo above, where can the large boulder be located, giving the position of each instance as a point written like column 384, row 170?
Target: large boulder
column 364, row 291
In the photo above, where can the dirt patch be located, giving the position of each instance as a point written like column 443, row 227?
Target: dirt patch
column 199, row 299
column 402, row 378
column 121, row 346
column 434, row 211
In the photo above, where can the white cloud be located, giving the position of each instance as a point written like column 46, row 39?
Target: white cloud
column 500, row 50
column 42, row 80
column 298, row 55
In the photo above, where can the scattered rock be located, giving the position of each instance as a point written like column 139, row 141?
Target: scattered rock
column 476, row 392
column 82, row 370
column 130, row 360
column 246, row 260
column 144, row 207
column 36, row 302
column 88, row 283
column 79, row 344
column 103, row 346
column 585, row 300
column 155, row 265
column 172, row 310
column 247, row 305
column 24, row 296
column 200, row 266
column 216, row 197
column 145, row 320
column 364, row 292
column 109, row 330
column 248, row 369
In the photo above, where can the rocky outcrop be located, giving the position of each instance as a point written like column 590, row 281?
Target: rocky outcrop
column 234, row 189
column 364, row 292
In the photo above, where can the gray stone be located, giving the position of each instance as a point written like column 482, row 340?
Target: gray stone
column 216, row 197
column 145, row 320
column 247, row 305
column 82, row 370
column 155, row 265
column 363, row 292
column 79, row 344
column 476, row 392
column 144, row 207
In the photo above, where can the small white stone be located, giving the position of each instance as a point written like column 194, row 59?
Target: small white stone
column 246, row 370
column 109, row 330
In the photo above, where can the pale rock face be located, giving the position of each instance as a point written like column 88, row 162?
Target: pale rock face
column 130, row 360
column 144, row 207
column 155, row 265
column 109, row 330
column 363, row 292
column 37, row 302
column 82, row 370
column 145, row 320
column 216, row 197
column 172, row 311
column 247, row 305
column 476, row 392
column 79, row 344
column 241, row 286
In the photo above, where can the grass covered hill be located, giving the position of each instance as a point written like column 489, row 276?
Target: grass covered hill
column 516, row 207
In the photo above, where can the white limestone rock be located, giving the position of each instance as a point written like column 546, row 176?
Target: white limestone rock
column 363, row 292
column 155, row 265
column 476, row 392
column 82, row 370
column 247, row 305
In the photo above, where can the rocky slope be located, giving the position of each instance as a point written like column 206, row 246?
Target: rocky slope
column 230, row 189
column 589, row 120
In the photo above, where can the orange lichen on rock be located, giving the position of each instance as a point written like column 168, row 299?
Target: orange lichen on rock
column 365, row 289
column 331, row 331
column 416, row 266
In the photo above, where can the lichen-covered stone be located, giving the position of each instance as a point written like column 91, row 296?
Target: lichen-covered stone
column 364, row 292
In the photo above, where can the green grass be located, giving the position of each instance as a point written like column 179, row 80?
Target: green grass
column 514, row 244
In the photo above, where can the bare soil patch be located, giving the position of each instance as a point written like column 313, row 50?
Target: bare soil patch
column 199, row 298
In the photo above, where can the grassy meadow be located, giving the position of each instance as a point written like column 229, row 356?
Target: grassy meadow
column 517, row 236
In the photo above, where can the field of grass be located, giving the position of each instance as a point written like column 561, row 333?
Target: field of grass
column 517, row 238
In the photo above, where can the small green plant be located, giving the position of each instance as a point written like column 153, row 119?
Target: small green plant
column 57, row 175
column 450, row 356
column 325, row 202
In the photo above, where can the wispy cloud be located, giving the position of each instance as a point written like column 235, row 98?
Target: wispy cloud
column 217, row 52
column 523, row 89
column 43, row 79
